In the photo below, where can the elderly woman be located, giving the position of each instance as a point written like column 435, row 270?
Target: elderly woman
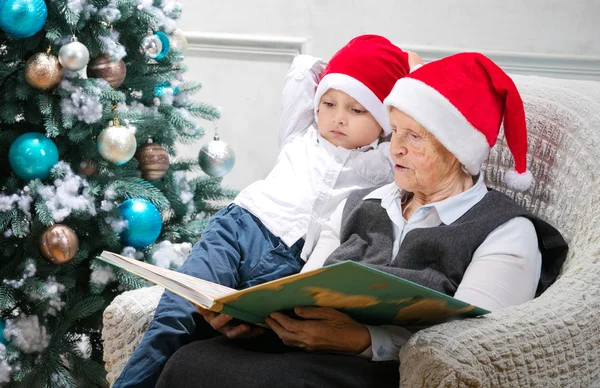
column 436, row 225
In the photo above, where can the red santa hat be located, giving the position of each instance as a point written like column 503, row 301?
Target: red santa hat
column 366, row 69
column 462, row 100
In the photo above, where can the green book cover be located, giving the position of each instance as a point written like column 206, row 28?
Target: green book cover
column 368, row 295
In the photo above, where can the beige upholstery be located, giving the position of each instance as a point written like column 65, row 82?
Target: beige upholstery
column 553, row 340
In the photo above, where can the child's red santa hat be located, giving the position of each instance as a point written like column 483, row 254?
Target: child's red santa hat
column 366, row 69
column 462, row 100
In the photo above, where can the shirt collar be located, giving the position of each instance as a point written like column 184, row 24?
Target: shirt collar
column 449, row 210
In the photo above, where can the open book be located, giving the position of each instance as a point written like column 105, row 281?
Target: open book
column 368, row 295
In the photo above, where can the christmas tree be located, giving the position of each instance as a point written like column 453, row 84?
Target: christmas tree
column 92, row 103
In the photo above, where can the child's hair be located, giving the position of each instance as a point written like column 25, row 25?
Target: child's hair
column 366, row 69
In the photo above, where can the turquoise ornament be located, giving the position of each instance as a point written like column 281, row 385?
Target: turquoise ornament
column 2, row 327
column 166, row 45
column 144, row 222
column 162, row 87
column 22, row 18
column 32, row 156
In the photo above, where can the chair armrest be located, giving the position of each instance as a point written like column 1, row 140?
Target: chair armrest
column 125, row 321
column 549, row 341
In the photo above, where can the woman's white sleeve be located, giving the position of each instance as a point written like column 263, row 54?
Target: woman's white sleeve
column 505, row 269
column 386, row 342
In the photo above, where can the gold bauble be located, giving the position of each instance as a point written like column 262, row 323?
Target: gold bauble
column 103, row 67
column 87, row 168
column 43, row 71
column 154, row 161
column 59, row 244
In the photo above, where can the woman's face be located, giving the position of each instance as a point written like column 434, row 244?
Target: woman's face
column 422, row 164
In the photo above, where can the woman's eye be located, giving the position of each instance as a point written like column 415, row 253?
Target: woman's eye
column 414, row 136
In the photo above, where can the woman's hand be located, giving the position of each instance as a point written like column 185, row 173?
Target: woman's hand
column 323, row 329
column 222, row 323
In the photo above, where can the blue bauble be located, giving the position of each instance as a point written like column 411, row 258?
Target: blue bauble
column 162, row 87
column 32, row 155
column 22, row 18
column 2, row 326
column 144, row 223
column 166, row 45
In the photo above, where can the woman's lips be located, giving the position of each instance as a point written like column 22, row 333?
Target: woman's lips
column 399, row 167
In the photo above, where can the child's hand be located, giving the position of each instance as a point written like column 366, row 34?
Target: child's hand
column 222, row 323
column 414, row 59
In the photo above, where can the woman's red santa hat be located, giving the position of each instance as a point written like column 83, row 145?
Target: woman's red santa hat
column 462, row 100
column 366, row 69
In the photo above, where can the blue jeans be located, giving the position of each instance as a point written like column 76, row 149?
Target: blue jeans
column 237, row 251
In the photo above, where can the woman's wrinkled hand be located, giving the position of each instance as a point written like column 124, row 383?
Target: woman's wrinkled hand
column 323, row 329
column 223, row 324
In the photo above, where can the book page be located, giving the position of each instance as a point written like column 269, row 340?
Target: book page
column 196, row 290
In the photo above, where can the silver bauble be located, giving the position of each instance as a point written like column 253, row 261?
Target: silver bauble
column 74, row 56
column 178, row 41
column 117, row 144
column 216, row 158
column 151, row 46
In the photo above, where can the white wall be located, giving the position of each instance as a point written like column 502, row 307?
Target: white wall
column 243, row 71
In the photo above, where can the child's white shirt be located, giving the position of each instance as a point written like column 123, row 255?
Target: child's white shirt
column 311, row 176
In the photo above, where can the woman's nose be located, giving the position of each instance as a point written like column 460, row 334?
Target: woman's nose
column 397, row 147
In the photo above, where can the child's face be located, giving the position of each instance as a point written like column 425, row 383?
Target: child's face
column 344, row 122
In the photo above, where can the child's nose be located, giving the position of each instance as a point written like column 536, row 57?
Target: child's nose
column 339, row 117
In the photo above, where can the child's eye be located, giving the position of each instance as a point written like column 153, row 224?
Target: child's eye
column 327, row 104
column 358, row 111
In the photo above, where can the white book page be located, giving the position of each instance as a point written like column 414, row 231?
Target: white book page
column 196, row 290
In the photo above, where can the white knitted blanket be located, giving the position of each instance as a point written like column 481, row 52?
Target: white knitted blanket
column 553, row 340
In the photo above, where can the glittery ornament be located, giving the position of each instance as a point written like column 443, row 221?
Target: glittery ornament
column 117, row 144
column 59, row 244
column 32, row 156
column 216, row 158
column 103, row 67
column 74, row 56
column 43, row 71
column 87, row 168
column 22, row 18
column 144, row 222
column 178, row 41
column 151, row 46
column 154, row 161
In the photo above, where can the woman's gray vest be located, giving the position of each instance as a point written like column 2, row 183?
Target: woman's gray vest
column 437, row 257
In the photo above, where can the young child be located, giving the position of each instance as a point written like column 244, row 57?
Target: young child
column 271, row 227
